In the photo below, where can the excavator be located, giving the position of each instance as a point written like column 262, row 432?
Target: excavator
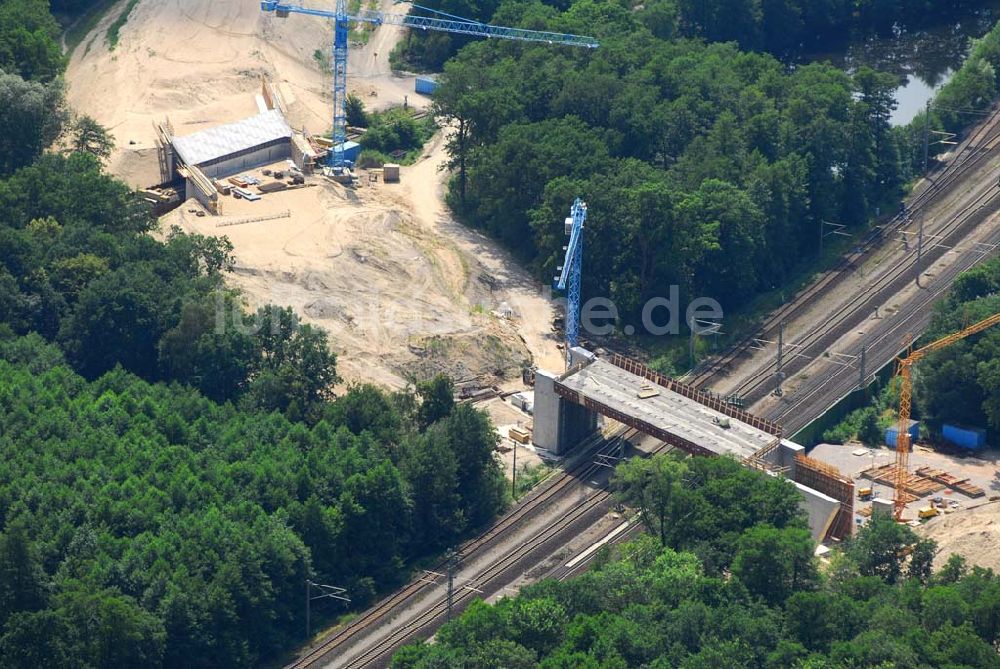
column 904, row 367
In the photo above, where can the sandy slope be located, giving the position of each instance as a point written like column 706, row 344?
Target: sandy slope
column 972, row 533
column 199, row 62
column 403, row 290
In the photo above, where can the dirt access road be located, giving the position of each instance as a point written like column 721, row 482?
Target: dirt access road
column 403, row 290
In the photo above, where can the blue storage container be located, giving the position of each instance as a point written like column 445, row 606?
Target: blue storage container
column 351, row 151
column 971, row 439
column 890, row 433
column 425, row 85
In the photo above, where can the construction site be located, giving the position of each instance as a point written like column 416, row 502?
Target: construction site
column 228, row 132
column 237, row 150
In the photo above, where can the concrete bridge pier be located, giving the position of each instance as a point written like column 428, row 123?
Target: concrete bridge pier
column 558, row 423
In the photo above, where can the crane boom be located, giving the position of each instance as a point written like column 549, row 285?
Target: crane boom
column 453, row 24
column 904, row 371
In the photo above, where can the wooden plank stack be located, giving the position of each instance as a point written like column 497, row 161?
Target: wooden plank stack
column 917, row 485
column 961, row 485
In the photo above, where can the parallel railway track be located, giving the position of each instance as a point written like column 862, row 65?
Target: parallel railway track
column 563, row 483
column 982, row 144
column 821, row 335
column 884, row 344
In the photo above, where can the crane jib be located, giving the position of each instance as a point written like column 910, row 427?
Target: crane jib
column 451, row 24
column 455, row 25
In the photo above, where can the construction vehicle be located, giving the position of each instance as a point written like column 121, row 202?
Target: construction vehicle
column 904, row 370
column 864, row 494
column 928, row 512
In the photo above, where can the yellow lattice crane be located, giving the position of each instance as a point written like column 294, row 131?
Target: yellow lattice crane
column 903, row 367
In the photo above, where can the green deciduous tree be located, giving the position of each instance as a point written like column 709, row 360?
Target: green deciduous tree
column 878, row 549
column 33, row 118
column 88, row 136
column 773, row 564
column 652, row 486
column 437, row 398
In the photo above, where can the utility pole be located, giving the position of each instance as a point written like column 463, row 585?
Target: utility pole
column 779, row 375
column 325, row 591
column 452, row 560
column 691, row 343
column 920, row 249
column 513, row 476
column 927, row 132
column 861, row 367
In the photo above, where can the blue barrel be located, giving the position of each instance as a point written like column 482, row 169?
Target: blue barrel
column 425, row 85
column 971, row 439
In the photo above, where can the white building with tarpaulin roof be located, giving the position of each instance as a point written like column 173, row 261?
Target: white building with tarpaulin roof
column 235, row 147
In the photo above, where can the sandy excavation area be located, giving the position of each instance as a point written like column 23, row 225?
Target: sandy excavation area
column 200, row 62
column 403, row 291
column 973, row 533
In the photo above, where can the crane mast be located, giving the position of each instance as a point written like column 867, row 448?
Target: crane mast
column 571, row 273
column 342, row 19
column 904, row 371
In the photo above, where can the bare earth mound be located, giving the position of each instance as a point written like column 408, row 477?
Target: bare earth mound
column 973, row 533
column 404, row 291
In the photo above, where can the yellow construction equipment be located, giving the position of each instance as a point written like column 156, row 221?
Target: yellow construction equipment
column 927, row 512
column 903, row 369
column 864, row 494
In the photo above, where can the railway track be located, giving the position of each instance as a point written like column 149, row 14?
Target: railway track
column 886, row 343
column 818, row 338
column 416, row 589
column 509, row 562
column 982, row 144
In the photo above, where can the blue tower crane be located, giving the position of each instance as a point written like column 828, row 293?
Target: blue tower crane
column 452, row 24
column 571, row 272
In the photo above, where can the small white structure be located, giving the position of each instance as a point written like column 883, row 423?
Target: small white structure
column 235, row 147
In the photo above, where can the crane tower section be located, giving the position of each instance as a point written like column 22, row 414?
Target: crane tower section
column 571, row 273
column 342, row 18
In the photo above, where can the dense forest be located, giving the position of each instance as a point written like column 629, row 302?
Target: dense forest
column 785, row 28
column 147, row 525
column 736, row 587
column 704, row 166
column 174, row 468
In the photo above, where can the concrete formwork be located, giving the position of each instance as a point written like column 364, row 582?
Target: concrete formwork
column 829, row 481
column 680, row 419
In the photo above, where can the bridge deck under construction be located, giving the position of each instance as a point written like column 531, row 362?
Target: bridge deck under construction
column 654, row 408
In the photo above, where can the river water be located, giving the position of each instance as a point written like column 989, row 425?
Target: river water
column 923, row 59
